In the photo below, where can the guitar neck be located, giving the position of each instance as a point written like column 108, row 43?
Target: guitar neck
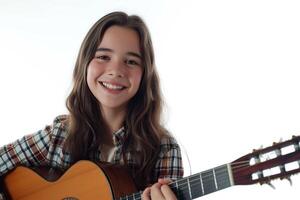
column 199, row 184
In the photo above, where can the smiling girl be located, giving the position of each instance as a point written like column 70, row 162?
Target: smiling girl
column 114, row 112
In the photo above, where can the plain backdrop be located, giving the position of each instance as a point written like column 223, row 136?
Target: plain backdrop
column 229, row 72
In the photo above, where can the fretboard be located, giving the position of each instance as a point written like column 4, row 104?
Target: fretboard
column 197, row 185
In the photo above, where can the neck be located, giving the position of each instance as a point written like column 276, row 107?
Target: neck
column 113, row 117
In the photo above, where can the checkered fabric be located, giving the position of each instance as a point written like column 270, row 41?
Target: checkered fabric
column 45, row 148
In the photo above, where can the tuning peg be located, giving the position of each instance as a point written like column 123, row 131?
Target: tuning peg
column 260, row 148
column 296, row 146
column 280, row 140
column 268, row 183
column 271, row 185
column 289, row 180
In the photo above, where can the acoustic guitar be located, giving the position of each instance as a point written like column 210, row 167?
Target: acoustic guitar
column 86, row 180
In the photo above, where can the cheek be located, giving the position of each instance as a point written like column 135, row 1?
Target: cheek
column 91, row 76
column 137, row 78
column 89, row 79
column 93, row 71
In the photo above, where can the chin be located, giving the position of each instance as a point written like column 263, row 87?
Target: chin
column 114, row 105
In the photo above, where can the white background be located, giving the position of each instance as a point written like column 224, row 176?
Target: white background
column 229, row 72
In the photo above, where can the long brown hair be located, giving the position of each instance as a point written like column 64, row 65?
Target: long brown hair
column 143, row 118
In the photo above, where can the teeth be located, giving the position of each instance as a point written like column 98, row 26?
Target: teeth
column 113, row 87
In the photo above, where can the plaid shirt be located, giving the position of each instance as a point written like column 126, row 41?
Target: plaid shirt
column 45, row 148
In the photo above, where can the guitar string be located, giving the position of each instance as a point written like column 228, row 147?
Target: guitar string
column 182, row 186
column 196, row 190
column 220, row 173
column 208, row 178
column 237, row 166
column 183, row 182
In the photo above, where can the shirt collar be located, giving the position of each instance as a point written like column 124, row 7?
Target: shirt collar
column 119, row 135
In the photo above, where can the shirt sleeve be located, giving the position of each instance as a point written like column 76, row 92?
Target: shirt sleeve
column 30, row 150
column 169, row 164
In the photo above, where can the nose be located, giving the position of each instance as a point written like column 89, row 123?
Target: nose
column 116, row 69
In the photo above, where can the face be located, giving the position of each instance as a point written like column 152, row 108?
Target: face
column 115, row 72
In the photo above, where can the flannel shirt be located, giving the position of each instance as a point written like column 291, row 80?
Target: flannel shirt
column 45, row 148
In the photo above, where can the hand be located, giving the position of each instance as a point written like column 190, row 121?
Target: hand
column 2, row 196
column 159, row 191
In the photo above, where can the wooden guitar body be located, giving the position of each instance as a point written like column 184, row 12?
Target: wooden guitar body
column 83, row 181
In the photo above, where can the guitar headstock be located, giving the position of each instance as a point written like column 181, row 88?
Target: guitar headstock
column 281, row 160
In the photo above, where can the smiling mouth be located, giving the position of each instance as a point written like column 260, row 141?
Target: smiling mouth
column 112, row 86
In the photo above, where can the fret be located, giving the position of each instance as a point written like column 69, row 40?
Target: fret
column 208, row 182
column 230, row 174
column 222, row 177
column 181, row 189
column 189, row 187
column 177, row 190
column 174, row 187
column 201, row 182
column 196, row 186
column 214, row 174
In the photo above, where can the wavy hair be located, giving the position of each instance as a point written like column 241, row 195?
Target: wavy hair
column 143, row 118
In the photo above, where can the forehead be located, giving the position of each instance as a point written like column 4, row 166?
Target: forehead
column 121, row 39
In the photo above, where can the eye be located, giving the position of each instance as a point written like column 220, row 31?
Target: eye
column 103, row 57
column 132, row 62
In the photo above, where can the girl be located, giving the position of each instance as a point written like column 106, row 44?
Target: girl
column 114, row 112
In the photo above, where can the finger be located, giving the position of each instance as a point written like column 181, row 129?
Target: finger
column 155, row 192
column 164, row 181
column 146, row 194
column 167, row 192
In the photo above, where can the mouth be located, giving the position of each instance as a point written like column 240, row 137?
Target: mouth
column 111, row 86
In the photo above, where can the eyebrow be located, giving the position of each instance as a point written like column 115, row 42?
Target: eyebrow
column 129, row 53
